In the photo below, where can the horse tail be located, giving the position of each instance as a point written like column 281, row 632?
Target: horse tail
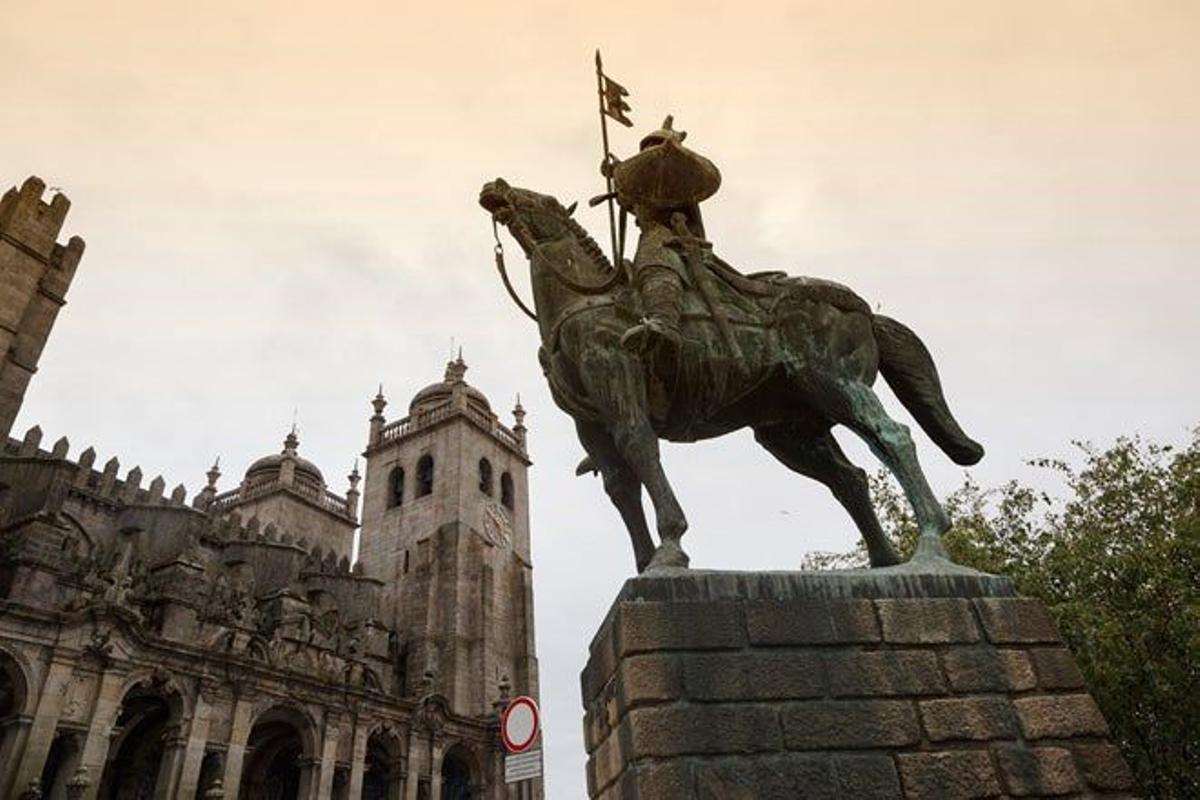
column 908, row 368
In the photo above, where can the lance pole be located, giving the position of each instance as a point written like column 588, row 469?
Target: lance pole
column 607, row 165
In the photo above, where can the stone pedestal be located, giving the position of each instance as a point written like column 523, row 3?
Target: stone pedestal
column 724, row 685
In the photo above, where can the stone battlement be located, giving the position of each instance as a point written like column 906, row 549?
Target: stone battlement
column 854, row 684
column 33, row 224
column 102, row 483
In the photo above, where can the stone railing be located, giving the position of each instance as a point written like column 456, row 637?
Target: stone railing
column 403, row 428
column 321, row 497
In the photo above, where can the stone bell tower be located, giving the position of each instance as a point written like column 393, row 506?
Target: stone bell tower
column 35, row 273
column 445, row 524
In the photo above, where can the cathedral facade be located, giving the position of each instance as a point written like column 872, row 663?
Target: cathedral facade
column 229, row 646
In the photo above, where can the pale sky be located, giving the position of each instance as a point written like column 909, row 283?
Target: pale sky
column 279, row 201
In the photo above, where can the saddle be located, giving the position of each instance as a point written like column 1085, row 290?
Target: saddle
column 756, row 299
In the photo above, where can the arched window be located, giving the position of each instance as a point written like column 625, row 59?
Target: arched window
column 146, row 715
column 396, row 487
column 506, row 490
column 279, row 758
column 381, row 770
column 425, row 475
column 485, row 476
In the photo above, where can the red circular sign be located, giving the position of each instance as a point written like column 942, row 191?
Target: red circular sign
column 519, row 724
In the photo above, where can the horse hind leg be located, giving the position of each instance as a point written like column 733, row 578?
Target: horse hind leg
column 622, row 487
column 816, row 454
column 859, row 409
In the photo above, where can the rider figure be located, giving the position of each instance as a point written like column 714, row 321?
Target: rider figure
column 662, row 187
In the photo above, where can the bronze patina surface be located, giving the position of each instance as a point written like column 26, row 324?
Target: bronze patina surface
column 681, row 346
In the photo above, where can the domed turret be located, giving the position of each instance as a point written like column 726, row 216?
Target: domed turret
column 270, row 469
column 438, row 394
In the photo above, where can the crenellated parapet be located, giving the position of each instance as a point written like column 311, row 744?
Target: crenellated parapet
column 76, row 534
column 25, row 458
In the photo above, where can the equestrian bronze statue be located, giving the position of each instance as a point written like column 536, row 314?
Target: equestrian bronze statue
column 678, row 345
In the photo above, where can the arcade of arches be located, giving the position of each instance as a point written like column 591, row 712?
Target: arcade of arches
column 154, row 740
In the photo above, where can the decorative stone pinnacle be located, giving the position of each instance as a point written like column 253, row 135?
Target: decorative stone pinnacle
column 456, row 370
column 214, row 473
column 291, row 442
column 379, row 403
column 354, row 477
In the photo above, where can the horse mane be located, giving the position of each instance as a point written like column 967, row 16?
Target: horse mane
column 589, row 245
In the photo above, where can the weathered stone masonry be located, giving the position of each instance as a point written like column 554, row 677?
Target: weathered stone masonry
column 775, row 685
column 228, row 647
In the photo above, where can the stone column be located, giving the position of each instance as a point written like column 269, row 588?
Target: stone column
column 436, row 745
column 174, row 749
column 104, row 716
column 413, row 779
column 310, row 769
column 358, row 757
column 328, row 757
column 235, row 754
column 45, row 723
column 197, row 738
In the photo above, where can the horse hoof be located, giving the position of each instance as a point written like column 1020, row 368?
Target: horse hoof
column 888, row 557
column 669, row 555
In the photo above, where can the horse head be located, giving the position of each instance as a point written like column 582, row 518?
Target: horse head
column 565, row 262
column 538, row 221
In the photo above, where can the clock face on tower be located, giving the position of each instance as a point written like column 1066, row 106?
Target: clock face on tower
column 497, row 526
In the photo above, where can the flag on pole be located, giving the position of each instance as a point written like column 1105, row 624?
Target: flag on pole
column 614, row 104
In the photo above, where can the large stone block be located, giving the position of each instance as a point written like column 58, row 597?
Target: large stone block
column 1060, row 716
column 850, row 724
column 927, row 621
column 948, row 775
column 987, row 669
column 1016, row 620
column 805, row 622
column 968, row 718
column 665, row 731
column 1056, row 668
column 763, row 675
column 884, row 673
column 866, row 776
column 766, row 778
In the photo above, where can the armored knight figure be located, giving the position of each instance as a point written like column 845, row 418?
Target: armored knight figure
column 662, row 187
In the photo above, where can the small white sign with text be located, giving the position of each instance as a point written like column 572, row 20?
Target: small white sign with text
column 523, row 766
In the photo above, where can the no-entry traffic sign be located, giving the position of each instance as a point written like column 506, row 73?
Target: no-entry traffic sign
column 519, row 724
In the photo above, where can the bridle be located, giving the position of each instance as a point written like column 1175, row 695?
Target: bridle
column 570, row 283
column 499, row 251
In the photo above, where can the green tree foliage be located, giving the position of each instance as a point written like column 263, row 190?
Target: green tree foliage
column 1117, row 560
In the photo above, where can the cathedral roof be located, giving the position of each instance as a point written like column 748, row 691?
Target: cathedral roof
column 436, row 394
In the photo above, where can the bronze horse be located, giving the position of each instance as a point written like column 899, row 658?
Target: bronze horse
column 792, row 358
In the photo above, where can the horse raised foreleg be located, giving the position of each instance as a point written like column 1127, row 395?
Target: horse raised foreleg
column 613, row 380
column 622, row 485
column 815, row 453
column 860, row 410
